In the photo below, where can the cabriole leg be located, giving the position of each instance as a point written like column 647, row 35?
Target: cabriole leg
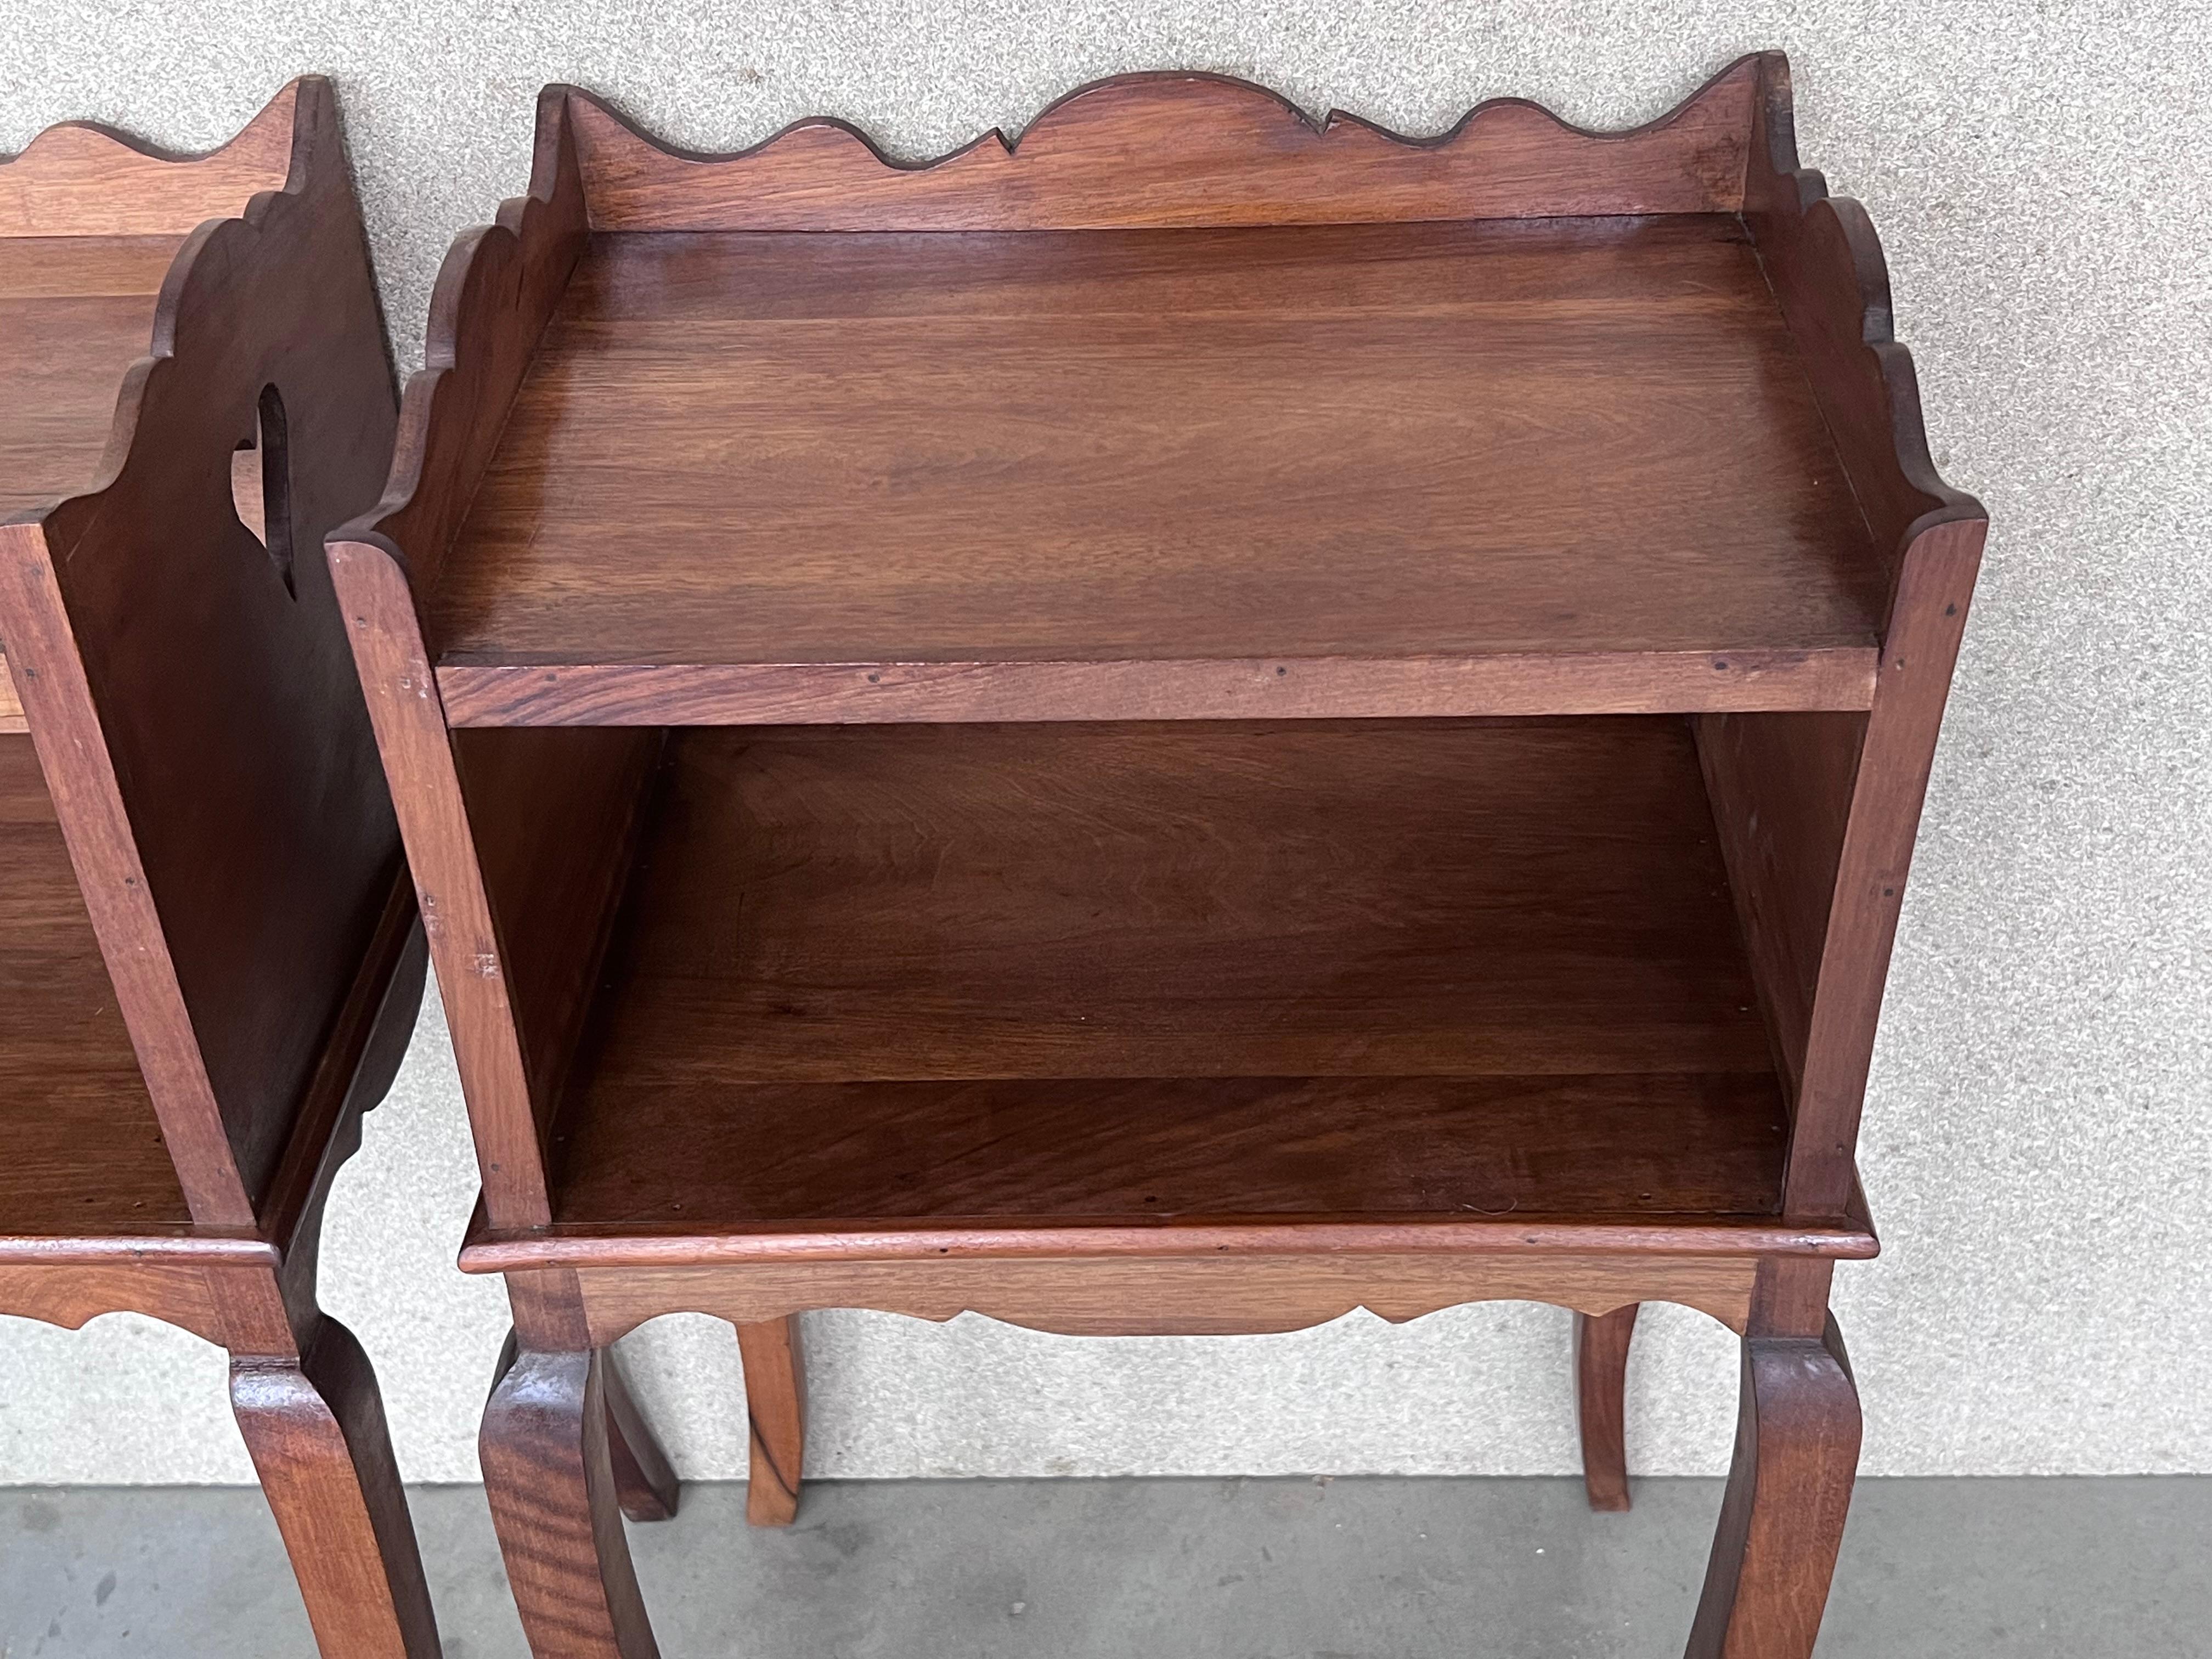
column 645, row 1480
column 775, row 1406
column 551, row 1484
column 1789, row 1491
column 1600, row 1390
column 315, row 1427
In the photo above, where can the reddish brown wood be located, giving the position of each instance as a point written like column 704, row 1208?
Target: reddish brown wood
column 654, row 1244
column 1825, row 264
column 1201, row 1293
column 1179, row 150
column 495, row 293
column 1789, row 1491
column 69, row 1292
column 79, row 178
column 1183, row 411
column 1065, row 901
column 775, row 1416
column 556, row 817
column 920, row 539
column 1602, row 1345
column 69, row 1081
column 544, row 1448
column 645, row 1482
column 1289, row 688
column 208, row 960
column 1927, row 618
column 1178, row 1154
column 235, row 920
column 88, row 304
column 1781, row 789
column 314, row 1423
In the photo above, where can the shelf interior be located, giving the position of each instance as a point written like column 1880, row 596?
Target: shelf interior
column 1123, row 973
column 76, row 312
column 1557, row 436
column 81, row 1154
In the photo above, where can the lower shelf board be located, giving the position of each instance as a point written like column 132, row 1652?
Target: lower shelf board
column 1108, row 1152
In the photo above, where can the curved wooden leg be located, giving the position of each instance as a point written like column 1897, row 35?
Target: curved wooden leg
column 776, row 1409
column 544, row 1448
column 315, row 1428
column 1796, row 1454
column 1601, row 1403
column 645, row 1482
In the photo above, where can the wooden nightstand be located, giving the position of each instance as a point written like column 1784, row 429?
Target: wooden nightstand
column 1184, row 726
column 210, row 963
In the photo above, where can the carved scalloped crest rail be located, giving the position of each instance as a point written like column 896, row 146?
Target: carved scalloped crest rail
column 1177, row 149
column 80, row 180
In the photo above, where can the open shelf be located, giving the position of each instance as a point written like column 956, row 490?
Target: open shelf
column 1132, row 975
column 1550, row 465
column 69, row 1078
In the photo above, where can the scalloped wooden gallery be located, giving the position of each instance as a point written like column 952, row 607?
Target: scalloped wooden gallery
column 208, row 940
column 1183, row 724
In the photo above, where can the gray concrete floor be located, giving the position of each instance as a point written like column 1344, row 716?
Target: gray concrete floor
column 1344, row 1569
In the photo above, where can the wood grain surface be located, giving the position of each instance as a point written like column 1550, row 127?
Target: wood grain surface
column 1181, row 150
column 199, row 847
column 1789, row 1492
column 1185, row 1295
column 775, row 1420
column 73, row 1294
column 314, row 1425
column 1153, row 1151
column 70, row 1082
column 82, row 180
column 1601, row 1346
column 1253, row 454
column 551, row 1487
column 75, row 314
column 1279, row 899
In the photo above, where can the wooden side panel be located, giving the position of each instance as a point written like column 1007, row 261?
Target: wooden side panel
column 555, row 815
column 494, row 295
column 82, row 776
column 1180, row 149
column 1780, row 785
column 215, row 674
column 442, row 854
column 1922, row 646
column 1818, row 814
column 81, row 179
column 1826, row 266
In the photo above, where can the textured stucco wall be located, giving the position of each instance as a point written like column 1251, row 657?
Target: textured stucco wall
column 2038, row 1141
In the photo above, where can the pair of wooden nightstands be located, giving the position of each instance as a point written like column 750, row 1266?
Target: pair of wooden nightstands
column 1184, row 726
